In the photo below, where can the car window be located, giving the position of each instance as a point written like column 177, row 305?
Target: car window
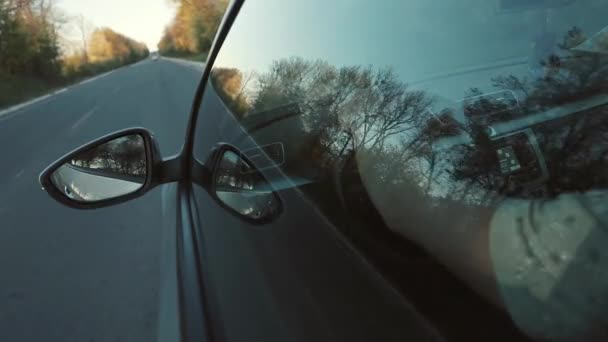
column 469, row 135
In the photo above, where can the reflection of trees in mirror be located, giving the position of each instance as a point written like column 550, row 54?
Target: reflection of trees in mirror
column 242, row 188
column 124, row 156
column 233, row 172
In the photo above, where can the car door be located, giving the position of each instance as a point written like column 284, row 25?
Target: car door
column 380, row 128
column 295, row 277
column 325, row 268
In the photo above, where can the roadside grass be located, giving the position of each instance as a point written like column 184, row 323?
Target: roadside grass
column 17, row 89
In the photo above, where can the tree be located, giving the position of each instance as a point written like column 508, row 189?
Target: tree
column 573, row 148
column 28, row 38
column 193, row 27
column 321, row 113
column 107, row 45
column 30, row 54
column 85, row 29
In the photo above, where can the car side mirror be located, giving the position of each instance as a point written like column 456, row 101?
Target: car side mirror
column 107, row 171
column 241, row 188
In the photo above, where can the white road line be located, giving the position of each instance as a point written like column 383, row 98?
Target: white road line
column 31, row 102
column 19, row 174
column 84, row 118
column 97, row 77
column 47, row 96
column 198, row 66
column 23, row 105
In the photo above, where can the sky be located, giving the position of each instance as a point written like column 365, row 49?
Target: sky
column 142, row 20
column 427, row 42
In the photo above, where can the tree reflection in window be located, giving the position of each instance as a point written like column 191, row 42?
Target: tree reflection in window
column 352, row 108
column 359, row 131
column 329, row 114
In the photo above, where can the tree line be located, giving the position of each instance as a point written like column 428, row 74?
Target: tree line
column 28, row 38
column 105, row 49
column 31, row 53
column 193, row 28
column 124, row 156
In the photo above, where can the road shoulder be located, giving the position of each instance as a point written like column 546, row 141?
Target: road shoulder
column 199, row 66
column 4, row 113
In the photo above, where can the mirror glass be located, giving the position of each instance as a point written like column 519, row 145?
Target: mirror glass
column 113, row 169
column 242, row 187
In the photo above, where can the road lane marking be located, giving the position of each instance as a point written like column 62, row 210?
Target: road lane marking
column 4, row 113
column 84, row 118
column 97, row 77
column 19, row 174
column 136, row 65
column 21, row 106
column 12, row 110
column 198, row 66
column 25, row 104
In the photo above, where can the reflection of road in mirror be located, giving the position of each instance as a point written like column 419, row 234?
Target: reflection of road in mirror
column 252, row 204
column 88, row 187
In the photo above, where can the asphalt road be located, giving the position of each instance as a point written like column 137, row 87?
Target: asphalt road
column 70, row 275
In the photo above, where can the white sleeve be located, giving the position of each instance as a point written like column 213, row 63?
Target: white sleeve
column 551, row 264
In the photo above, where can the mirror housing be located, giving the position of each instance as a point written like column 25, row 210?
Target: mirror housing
column 63, row 177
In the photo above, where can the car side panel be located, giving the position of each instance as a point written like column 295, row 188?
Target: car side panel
column 168, row 326
column 295, row 279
